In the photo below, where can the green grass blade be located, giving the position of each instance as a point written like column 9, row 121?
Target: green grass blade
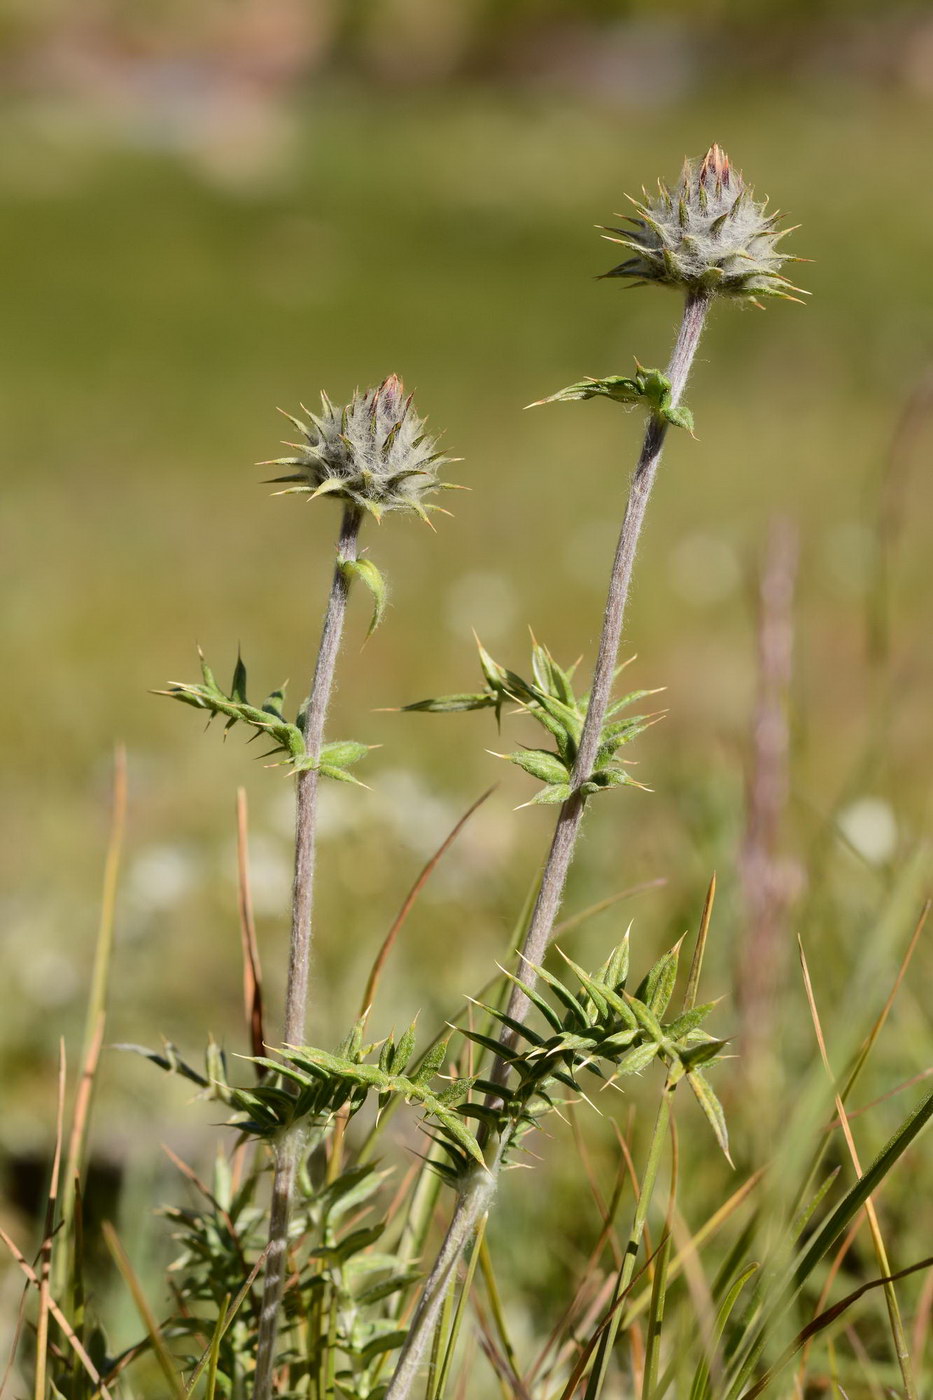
column 818, row 1324
column 700, row 1390
column 831, row 1231
column 162, row 1354
column 214, row 1356
column 227, row 1314
column 656, row 1319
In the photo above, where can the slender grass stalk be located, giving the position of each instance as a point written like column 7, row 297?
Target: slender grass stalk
column 656, row 1319
column 167, row 1362
column 61, row 1321
column 901, row 1349
column 662, row 1125
column 474, row 1200
column 289, row 1149
column 95, row 1017
column 45, row 1256
column 627, row 1271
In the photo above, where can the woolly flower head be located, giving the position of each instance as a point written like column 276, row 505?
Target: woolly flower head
column 374, row 452
column 709, row 235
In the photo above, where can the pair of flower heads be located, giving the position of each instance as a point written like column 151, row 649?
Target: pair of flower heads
column 709, row 237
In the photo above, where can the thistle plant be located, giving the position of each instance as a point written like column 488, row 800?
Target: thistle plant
column 713, row 240
column 708, row 239
column 375, row 456
column 344, row 1246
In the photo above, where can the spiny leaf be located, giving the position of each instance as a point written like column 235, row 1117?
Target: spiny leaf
column 403, row 1051
column 540, row 763
column 330, row 770
column 563, row 993
column 453, row 704
column 638, row 1058
column 712, row 1108
column 547, row 1011
column 343, row 753
column 689, row 1021
column 646, row 1019
column 431, row 1063
column 702, row 1054
column 367, row 573
column 550, row 796
column 615, row 970
column 288, row 738
column 648, row 387
column 657, row 988
column 238, row 685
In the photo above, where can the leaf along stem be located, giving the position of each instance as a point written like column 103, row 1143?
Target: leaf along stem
column 288, row 1150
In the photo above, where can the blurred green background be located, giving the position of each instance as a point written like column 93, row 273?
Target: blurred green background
column 209, row 214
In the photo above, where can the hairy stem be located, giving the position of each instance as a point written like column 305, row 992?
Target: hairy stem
column 564, row 840
column 288, row 1151
column 473, row 1204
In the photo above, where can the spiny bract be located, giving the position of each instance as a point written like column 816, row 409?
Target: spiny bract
column 710, row 235
column 373, row 452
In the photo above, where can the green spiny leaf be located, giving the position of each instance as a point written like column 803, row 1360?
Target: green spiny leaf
column 646, row 1019
column 330, row 770
column 702, row 1054
column 547, row 1011
column 367, row 573
column 541, row 764
column 453, row 704
column 637, row 1059
column 343, row 753
column 403, row 1051
column 712, row 1108
column 550, row 796
column 658, row 986
column 238, row 685
column 431, row 1063
column 689, row 1021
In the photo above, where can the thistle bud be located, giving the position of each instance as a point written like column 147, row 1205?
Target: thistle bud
column 710, row 235
column 374, row 452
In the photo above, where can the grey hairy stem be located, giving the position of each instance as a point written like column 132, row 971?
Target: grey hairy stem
column 472, row 1204
column 288, row 1151
column 564, row 840
column 474, row 1200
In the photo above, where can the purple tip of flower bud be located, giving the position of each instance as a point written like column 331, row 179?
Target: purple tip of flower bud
column 715, row 169
column 390, row 393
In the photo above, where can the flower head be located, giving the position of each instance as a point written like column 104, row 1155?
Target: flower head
column 709, row 235
column 374, row 452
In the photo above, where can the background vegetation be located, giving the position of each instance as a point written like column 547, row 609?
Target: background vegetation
column 207, row 218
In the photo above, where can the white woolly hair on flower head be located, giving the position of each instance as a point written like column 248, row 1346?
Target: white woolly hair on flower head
column 374, row 452
column 708, row 236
